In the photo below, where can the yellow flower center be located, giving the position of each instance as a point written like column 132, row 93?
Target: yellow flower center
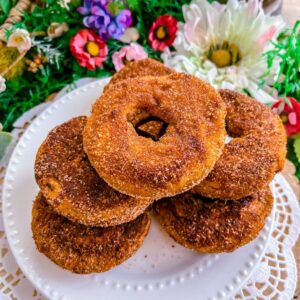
column 161, row 33
column 92, row 48
column 224, row 55
column 284, row 117
column 18, row 39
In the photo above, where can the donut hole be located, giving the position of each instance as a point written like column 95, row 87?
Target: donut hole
column 148, row 126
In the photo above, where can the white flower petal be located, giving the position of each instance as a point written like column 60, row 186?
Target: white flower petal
column 237, row 22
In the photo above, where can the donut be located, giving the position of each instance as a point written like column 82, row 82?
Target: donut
column 71, row 185
column 213, row 226
column 84, row 249
column 253, row 156
column 141, row 167
column 140, row 68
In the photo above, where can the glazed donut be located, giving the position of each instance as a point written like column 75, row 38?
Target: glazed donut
column 140, row 167
column 73, row 188
column 140, row 68
column 213, row 226
column 256, row 152
column 82, row 249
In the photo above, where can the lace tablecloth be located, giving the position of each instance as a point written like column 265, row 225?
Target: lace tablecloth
column 275, row 278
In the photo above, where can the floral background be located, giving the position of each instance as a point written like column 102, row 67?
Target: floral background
column 49, row 44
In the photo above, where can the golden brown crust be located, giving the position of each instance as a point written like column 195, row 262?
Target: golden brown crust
column 140, row 68
column 83, row 249
column 182, row 157
column 73, row 188
column 249, row 161
column 212, row 226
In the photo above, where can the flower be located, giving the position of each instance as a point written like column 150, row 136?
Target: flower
column 57, row 29
column 19, row 39
column 131, row 35
column 224, row 44
column 162, row 32
column 289, row 112
column 2, row 84
column 128, row 53
column 89, row 49
column 105, row 17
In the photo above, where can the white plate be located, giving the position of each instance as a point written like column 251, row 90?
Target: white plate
column 161, row 269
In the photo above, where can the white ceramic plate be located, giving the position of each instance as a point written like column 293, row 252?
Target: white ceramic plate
column 161, row 269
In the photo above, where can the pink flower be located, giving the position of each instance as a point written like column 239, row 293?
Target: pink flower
column 289, row 112
column 128, row 53
column 89, row 49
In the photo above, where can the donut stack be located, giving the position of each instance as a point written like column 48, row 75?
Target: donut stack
column 155, row 139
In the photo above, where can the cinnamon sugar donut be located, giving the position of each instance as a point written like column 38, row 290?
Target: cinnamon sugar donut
column 256, row 152
column 140, row 68
column 212, row 226
column 141, row 167
column 82, row 249
column 73, row 188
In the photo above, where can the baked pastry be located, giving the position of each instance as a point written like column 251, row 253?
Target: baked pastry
column 73, row 188
column 140, row 68
column 212, row 226
column 255, row 153
column 82, row 249
column 141, row 167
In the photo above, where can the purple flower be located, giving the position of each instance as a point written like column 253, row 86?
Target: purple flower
column 98, row 17
column 124, row 19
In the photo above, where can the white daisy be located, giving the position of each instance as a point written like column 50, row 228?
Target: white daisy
column 223, row 44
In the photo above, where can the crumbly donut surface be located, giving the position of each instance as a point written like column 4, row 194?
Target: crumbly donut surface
column 71, row 185
column 254, row 155
column 213, row 226
column 82, row 249
column 140, row 68
column 180, row 159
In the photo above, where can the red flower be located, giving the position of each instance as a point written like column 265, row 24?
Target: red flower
column 162, row 32
column 289, row 112
column 89, row 49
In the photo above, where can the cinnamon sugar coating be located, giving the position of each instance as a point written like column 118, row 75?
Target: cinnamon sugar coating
column 82, row 249
column 213, row 226
column 251, row 159
column 73, row 188
column 139, row 68
column 180, row 159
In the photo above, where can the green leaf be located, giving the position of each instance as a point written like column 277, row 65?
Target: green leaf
column 5, row 5
column 133, row 5
column 297, row 148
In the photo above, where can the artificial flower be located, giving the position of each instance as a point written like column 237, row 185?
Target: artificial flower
column 57, row 29
column 108, row 22
column 162, row 32
column 224, row 45
column 131, row 35
column 2, row 84
column 36, row 64
column 128, row 53
column 20, row 39
column 289, row 112
column 89, row 49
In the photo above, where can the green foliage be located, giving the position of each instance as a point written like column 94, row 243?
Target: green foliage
column 297, row 148
column 292, row 156
column 287, row 49
column 29, row 90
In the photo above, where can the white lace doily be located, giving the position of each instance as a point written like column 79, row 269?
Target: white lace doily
column 275, row 278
